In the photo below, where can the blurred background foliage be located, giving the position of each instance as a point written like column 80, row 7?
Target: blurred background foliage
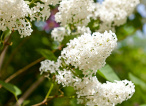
column 23, row 56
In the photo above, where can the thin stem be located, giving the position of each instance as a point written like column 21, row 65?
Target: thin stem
column 24, row 69
column 52, row 85
column 14, row 52
column 17, row 100
column 47, row 96
column 30, row 90
column 4, row 49
column 6, row 43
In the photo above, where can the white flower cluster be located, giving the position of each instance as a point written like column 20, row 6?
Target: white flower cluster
column 12, row 16
column 94, row 93
column 40, row 11
column 66, row 78
column 82, row 30
column 111, row 13
column 89, row 51
column 90, row 91
column 49, row 65
column 59, row 33
column 74, row 12
column 114, row 12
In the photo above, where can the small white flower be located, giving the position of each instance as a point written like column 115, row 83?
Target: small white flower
column 12, row 16
column 89, row 52
column 74, row 12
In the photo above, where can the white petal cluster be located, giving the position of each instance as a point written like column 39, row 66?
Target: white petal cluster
column 115, row 11
column 66, row 78
column 94, row 93
column 88, row 89
column 12, row 16
column 74, row 12
column 82, row 30
column 50, row 66
column 40, row 11
column 59, row 33
column 89, row 51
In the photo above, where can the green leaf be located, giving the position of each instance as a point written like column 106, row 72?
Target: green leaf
column 143, row 105
column 47, row 54
column 137, row 81
column 108, row 73
column 12, row 88
column 45, row 41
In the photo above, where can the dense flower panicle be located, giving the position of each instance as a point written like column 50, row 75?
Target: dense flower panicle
column 89, row 51
column 106, row 94
column 74, row 12
column 118, row 91
column 12, row 16
column 115, row 11
column 88, row 89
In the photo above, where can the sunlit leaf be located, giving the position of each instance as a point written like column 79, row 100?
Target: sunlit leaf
column 143, row 105
column 108, row 73
column 137, row 81
column 12, row 88
column 47, row 54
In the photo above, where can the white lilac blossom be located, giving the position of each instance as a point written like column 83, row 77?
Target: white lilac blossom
column 82, row 30
column 105, row 27
column 12, row 16
column 89, row 51
column 88, row 89
column 40, row 12
column 50, row 66
column 66, row 78
column 92, row 92
column 113, row 12
column 59, row 33
column 74, row 12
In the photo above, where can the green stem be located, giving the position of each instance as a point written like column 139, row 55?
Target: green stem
column 32, row 1
column 52, row 85
column 47, row 96
column 17, row 100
